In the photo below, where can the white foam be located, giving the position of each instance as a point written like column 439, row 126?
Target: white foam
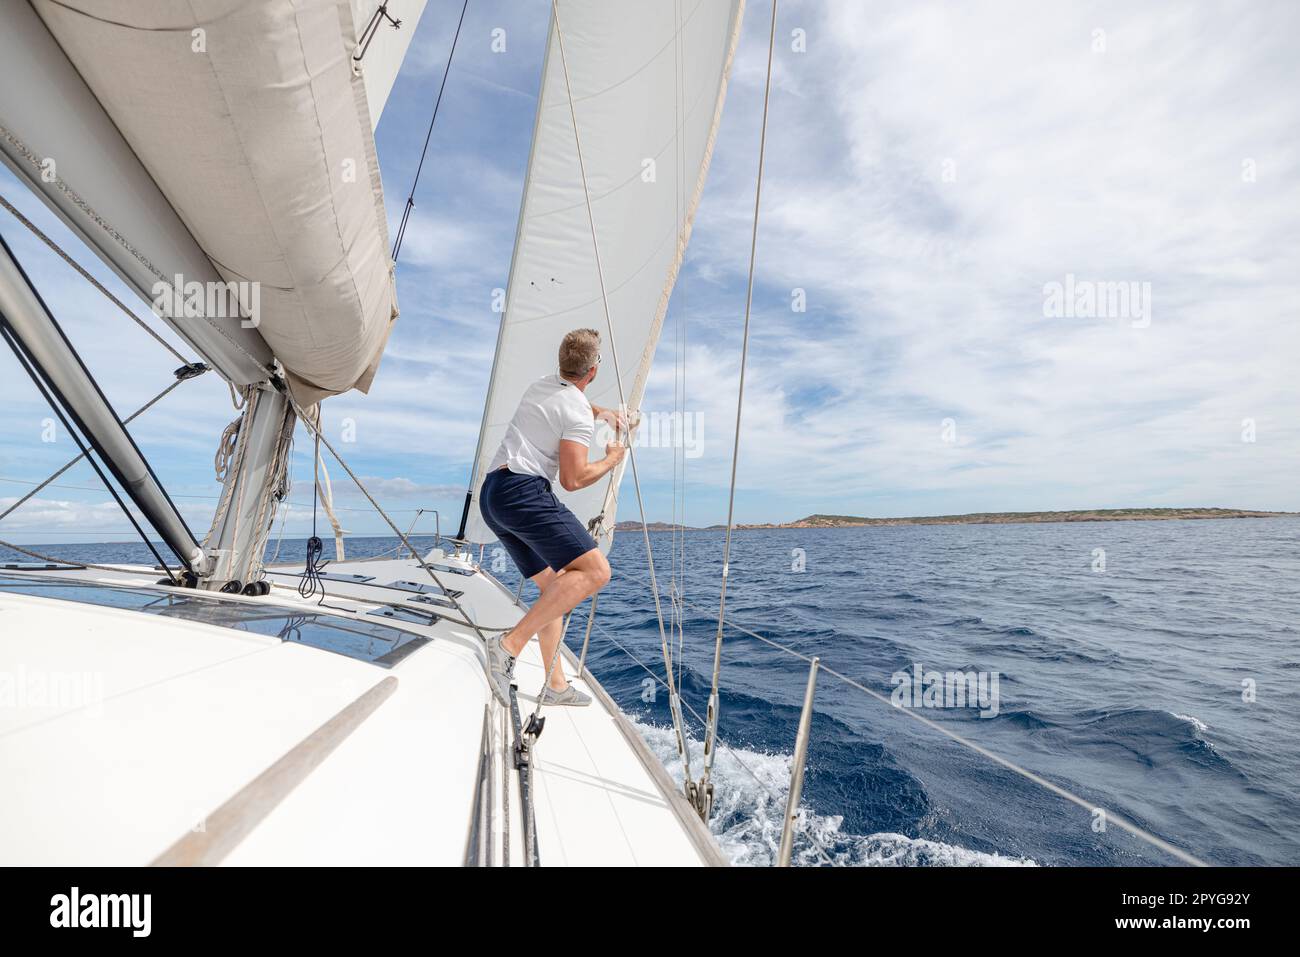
column 750, row 790
column 1200, row 726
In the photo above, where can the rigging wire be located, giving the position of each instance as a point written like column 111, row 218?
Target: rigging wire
column 91, row 214
column 313, row 427
column 410, row 199
column 74, row 563
column 674, row 697
column 73, row 461
column 205, row 498
column 678, row 539
column 24, row 360
column 36, row 231
column 714, row 702
column 777, row 799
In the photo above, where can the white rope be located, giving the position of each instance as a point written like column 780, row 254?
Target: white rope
column 712, row 731
column 225, row 453
column 674, row 698
column 229, row 455
column 274, row 489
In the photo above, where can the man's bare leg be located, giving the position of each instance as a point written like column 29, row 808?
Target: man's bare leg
column 565, row 590
column 549, row 635
column 549, row 640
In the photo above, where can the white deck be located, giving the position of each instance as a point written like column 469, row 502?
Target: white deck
column 168, row 719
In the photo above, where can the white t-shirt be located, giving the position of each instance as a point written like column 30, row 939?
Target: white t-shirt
column 552, row 409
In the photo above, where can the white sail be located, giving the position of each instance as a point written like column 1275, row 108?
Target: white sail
column 254, row 122
column 648, row 79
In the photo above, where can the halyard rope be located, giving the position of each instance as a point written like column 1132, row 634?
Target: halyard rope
column 674, row 699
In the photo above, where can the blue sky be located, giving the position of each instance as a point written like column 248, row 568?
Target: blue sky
column 931, row 168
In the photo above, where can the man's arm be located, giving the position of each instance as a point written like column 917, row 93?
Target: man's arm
column 576, row 472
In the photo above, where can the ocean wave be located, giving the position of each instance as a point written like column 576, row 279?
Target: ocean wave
column 1200, row 726
column 1157, row 738
column 750, row 793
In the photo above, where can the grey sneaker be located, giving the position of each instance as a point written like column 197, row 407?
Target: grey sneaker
column 501, row 669
column 569, row 696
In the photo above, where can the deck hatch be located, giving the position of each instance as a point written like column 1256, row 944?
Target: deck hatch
column 415, row 616
column 424, row 588
column 358, row 638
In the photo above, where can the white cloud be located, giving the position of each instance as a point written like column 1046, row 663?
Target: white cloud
column 924, row 296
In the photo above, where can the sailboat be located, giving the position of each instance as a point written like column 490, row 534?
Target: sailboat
column 213, row 708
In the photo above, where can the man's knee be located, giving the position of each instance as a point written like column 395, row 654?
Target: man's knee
column 594, row 566
column 601, row 571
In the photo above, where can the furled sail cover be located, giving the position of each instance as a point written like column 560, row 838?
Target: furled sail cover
column 249, row 116
column 648, row 79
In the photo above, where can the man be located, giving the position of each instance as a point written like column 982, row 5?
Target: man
column 547, row 441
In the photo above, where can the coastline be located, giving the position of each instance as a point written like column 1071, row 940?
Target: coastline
column 820, row 520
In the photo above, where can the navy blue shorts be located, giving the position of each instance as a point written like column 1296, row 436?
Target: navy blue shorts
column 531, row 523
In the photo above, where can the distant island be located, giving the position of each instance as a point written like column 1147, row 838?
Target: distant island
column 988, row 518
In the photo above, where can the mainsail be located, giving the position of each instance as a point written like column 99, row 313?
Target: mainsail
column 228, row 141
column 647, row 80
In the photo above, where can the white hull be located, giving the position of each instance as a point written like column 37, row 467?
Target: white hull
column 138, row 736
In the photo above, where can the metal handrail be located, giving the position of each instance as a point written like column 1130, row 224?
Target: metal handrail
column 797, row 766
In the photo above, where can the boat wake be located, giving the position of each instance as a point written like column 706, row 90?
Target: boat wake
column 750, row 789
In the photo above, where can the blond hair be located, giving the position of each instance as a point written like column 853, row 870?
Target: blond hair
column 579, row 351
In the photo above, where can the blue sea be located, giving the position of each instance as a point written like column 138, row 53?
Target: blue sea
column 1150, row 668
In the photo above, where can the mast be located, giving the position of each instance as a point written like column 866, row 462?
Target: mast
column 254, row 481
